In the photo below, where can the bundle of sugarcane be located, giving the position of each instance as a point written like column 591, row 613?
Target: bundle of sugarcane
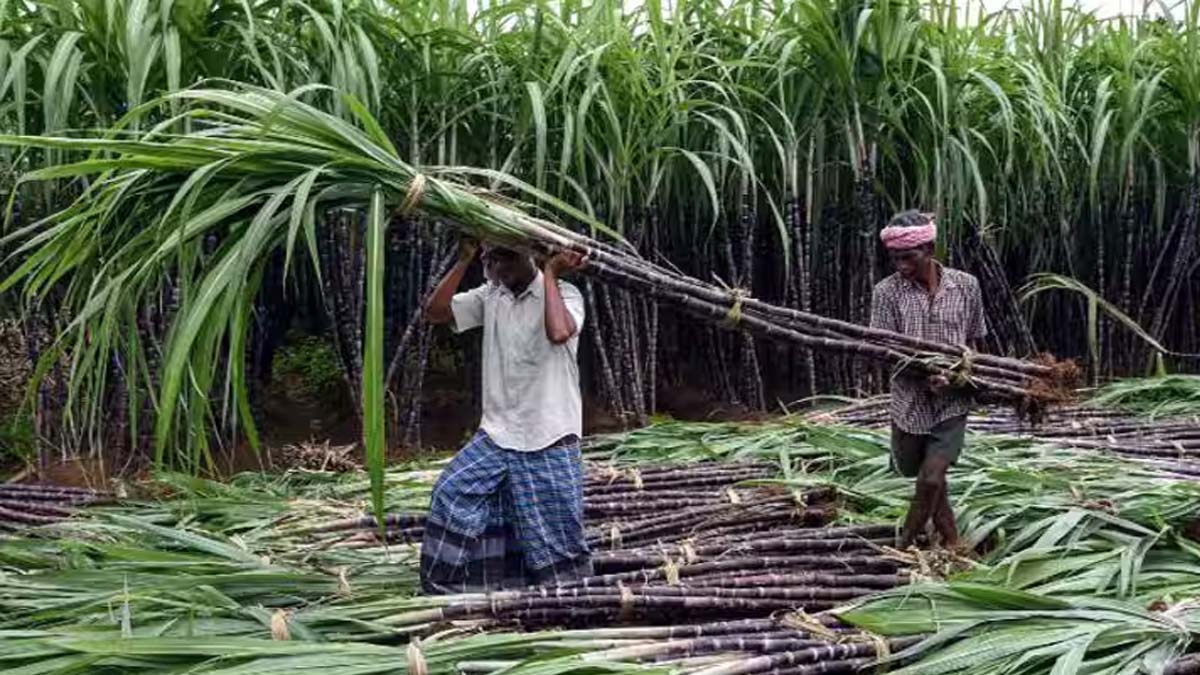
column 1033, row 384
column 796, row 569
column 627, row 504
column 762, row 553
column 1129, row 405
column 791, row 645
column 259, row 148
column 1172, row 445
column 711, row 538
column 25, row 505
column 738, row 513
column 1065, row 421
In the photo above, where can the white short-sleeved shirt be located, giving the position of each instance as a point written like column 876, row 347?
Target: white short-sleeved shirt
column 531, row 394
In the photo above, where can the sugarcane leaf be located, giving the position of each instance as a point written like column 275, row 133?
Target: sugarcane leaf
column 710, row 184
column 300, row 206
column 1060, row 527
column 187, row 539
column 989, row 647
column 1004, row 598
column 374, row 438
column 370, row 124
column 1040, row 283
column 1071, row 660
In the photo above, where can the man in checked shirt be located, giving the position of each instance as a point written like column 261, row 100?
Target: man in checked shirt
column 929, row 418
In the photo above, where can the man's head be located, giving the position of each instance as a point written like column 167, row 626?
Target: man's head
column 909, row 238
column 506, row 266
column 910, row 262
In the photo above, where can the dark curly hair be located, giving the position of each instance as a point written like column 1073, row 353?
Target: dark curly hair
column 910, row 218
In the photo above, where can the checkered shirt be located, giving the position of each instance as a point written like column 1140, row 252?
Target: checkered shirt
column 953, row 316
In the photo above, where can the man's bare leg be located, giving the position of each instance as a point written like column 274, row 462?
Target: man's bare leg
column 930, row 494
column 943, row 519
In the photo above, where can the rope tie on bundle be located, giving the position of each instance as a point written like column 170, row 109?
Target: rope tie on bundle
column 627, row 600
column 734, row 316
column 612, row 473
column 803, row 621
column 883, row 648
column 961, row 371
column 414, row 196
column 1171, row 615
column 343, row 587
column 670, row 570
column 800, row 499
column 689, row 552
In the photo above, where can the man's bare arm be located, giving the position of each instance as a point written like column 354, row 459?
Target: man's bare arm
column 560, row 325
column 437, row 308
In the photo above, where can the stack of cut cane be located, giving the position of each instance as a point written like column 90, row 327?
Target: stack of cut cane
column 23, row 506
column 668, row 539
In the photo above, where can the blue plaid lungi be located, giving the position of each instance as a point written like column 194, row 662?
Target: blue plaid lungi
column 502, row 518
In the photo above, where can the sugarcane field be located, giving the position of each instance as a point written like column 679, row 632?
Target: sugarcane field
column 600, row 337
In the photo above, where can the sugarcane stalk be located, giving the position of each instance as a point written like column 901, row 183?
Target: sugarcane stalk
column 755, row 580
column 25, row 518
column 751, row 321
column 649, row 272
column 830, row 652
column 687, row 591
column 609, row 560
column 701, row 646
column 840, row 667
column 35, row 507
column 364, row 522
column 630, row 601
column 850, row 564
column 675, row 632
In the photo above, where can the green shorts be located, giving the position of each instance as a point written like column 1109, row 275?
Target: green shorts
column 910, row 450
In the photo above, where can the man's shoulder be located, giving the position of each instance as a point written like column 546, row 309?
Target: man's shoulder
column 889, row 283
column 484, row 291
column 960, row 277
column 567, row 287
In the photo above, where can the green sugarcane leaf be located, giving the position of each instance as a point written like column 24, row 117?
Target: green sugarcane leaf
column 1004, row 598
column 992, row 647
column 1071, row 660
column 374, row 436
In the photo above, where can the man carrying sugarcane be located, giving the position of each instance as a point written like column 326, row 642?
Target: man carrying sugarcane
column 508, row 510
column 924, row 299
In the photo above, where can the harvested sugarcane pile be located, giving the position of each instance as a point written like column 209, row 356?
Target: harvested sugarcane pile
column 710, row 579
column 751, row 587
column 669, row 538
column 1170, row 443
column 751, row 566
column 23, row 505
column 791, row 645
column 613, row 498
column 249, row 572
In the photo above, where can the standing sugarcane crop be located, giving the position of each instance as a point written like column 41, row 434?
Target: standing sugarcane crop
column 508, row 510
column 926, row 300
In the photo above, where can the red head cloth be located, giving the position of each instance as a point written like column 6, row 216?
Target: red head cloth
column 899, row 238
